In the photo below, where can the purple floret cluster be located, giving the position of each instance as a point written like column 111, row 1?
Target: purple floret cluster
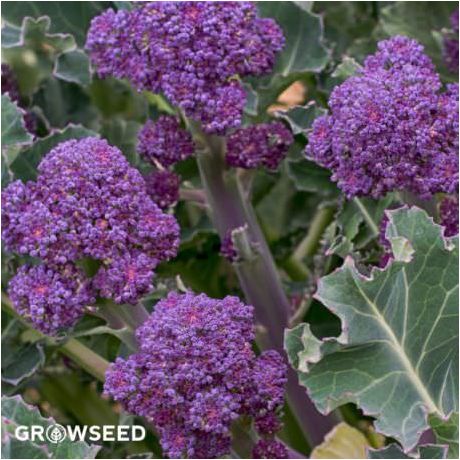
column 390, row 127
column 88, row 203
column 192, row 52
column 50, row 298
column 269, row 448
column 451, row 44
column 163, row 187
column 448, row 213
column 195, row 373
column 265, row 144
column 164, row 141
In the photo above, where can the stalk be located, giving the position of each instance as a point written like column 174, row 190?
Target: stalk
column 257, row 275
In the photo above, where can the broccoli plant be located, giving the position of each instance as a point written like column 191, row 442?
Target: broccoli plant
column 231, row 225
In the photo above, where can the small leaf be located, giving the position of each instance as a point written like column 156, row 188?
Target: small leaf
column 396, row 357
column 16, row 412
column 35, row 34
column 13, row 127
column 25, row 165
column 73, row 67
column 309, row 177
column 343, row 441
column 300, row 118
column 446, row 432
column 358, row 223
column 347, row 68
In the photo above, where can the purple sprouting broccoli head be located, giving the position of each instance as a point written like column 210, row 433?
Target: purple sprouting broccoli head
column 192, row 52
column 163, row 187
column 164, row 141
column 451, row 44
column 390, row 127
column 52, row 299
column 195, row 373
column 265, row 144
column 89, row 203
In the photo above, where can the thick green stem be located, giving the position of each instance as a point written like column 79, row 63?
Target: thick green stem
column 258, row 276
column 309, row 244
column 86, row 358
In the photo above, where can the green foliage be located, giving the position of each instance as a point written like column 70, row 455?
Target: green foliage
column 73, row 67
column 446, row 432
column 398, row 330
column 71, row 17
column 14, row 131
column 21, row 358
column 16, row 412
column 326, row 42
column 304, row 52
column 358, row 223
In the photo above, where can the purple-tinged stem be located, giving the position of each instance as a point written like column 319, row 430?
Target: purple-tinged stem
column 258, row 275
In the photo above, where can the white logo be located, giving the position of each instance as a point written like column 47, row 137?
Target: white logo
column 93, row 433
column 55, row 433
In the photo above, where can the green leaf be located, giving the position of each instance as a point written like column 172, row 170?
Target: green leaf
column 13, row 127
column 343, row 441
column 71, row 17
column 20, row 361
column 429, row 451
column 300, row 118
column 347, row 24
column 303, row 54
column 25, row 165
column 396, row 357
column 418, row 20
column 73, row 67
column 304, row 50
column 347, row 68
column 64, row 102
column 358, row 223
column 310, row 177
column 16, row 412
column 35, row 34
column 446, row 432
column 11, row 36
column 123, row 134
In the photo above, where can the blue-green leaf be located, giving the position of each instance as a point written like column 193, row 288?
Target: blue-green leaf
column 397, row 355
column 14, row 131
column 74, row 67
